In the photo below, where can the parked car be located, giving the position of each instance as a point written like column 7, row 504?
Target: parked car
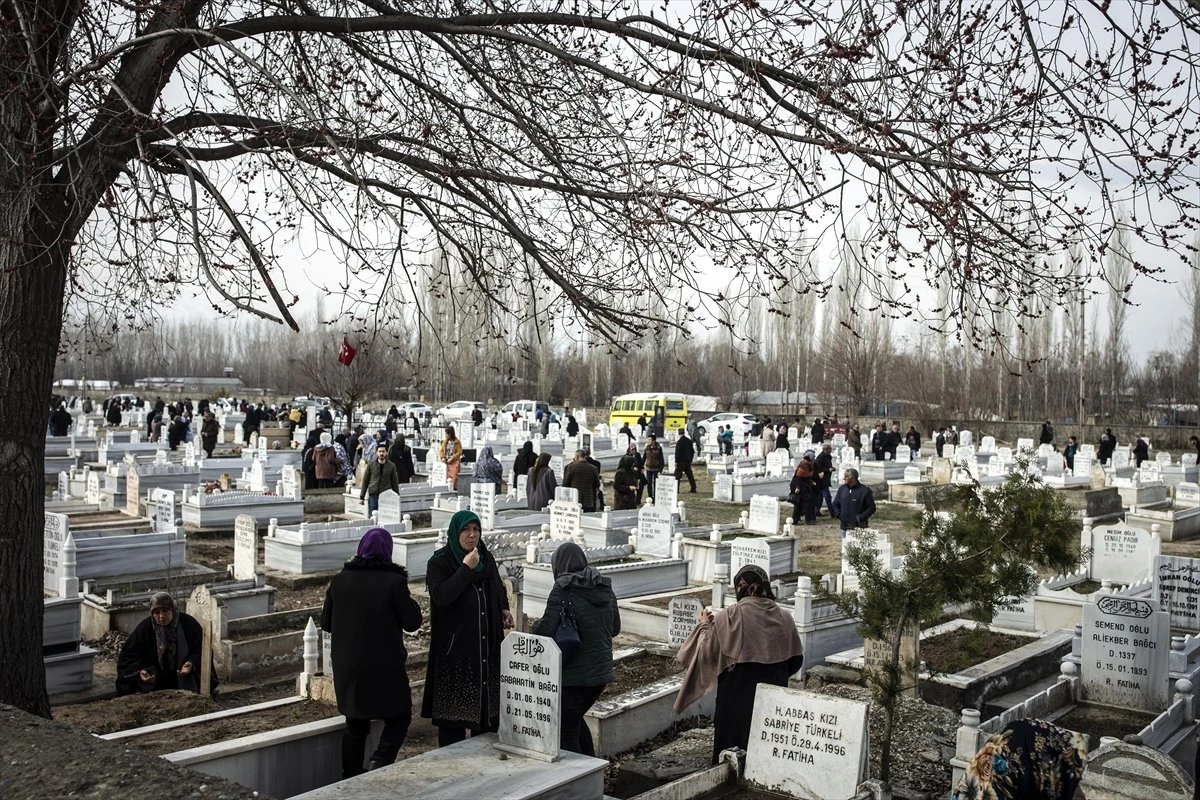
column 461, row 409
column 744, row 422
column 421, row 410
column 526, row 409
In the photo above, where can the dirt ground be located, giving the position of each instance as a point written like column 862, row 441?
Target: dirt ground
column 638, row 671
column 965, row 647
column 1097, row 721
column 220, row 730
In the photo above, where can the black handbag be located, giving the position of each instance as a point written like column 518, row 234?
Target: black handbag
column 792, row 498
column 566, row 635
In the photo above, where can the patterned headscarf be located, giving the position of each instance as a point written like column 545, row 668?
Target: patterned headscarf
column 1028, row 760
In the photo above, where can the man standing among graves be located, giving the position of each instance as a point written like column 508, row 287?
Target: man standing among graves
column 939, row 443
column 587, row 455
column 818, row 431
column 854, row 504
column 685, row 454
column 854, row 440
column 653, row 462
column 894, row 439
column 367, row 609
column 824, row 477
column 380, row 476
column 584, row 478
column 1047, row 434
column 60, row 421
column 476, row 416
column 879, row 442
column 163, row 652
column 210, row 430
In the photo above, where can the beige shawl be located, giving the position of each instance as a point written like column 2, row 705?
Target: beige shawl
column 755, row 630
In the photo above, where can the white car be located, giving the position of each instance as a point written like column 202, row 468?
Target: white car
column 744, row 422
column 461, row 409
column 421, row 410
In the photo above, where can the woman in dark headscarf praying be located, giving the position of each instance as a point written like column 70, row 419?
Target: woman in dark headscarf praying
column 163, row 652
column 734, row 650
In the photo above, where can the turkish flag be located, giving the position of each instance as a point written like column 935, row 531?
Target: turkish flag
column 346, row 352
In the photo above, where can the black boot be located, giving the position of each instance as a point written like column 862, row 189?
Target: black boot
column 353, row 750
column 385, row 753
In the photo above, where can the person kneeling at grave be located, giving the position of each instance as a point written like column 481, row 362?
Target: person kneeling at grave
column 367, row 609
column 734, row 650
column 163, row 652
column 589, row 600
column 1028, row 760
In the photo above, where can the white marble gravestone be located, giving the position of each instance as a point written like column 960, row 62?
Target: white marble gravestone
column 748, row 551
column 521, row 486
column 1177, row 589
column 483, row 503
column 764, row 515
column 258, row 480
column 438, row 475
column 1122, row 554
column 1124, row 653
column 1187, row 494
column 806, row 745
column 666, row 491
column 568, row 494
column 163, row 518
column 655, row 530
column 723, row 488
column 556, row 466
column 530, row 695
column 290, row 482
column 245, row 547
column 564, row 518
column 682, row 618
column 54, row 535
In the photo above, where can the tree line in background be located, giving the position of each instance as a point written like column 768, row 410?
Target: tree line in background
column 859, row 359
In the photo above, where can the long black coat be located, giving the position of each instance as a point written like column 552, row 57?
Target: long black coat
column 367, row 608
column 462, row 682
column 595, row 610
column 140, row 652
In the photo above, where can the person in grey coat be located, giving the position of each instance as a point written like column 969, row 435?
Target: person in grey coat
column 589, row 598
column 539, row 490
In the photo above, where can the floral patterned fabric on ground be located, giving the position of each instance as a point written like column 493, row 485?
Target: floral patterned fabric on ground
column 1029, row 760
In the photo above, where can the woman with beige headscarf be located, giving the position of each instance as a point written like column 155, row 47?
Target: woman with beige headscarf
column 735, row 649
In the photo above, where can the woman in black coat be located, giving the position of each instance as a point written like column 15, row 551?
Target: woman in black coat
column 467, row 619
column 524, row 461
column 163, row 652
column 591, row 602
column 367, row 608
column 401, row 456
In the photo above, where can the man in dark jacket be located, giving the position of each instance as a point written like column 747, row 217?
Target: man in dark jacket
column 367, row 608
column 879, row 442
column 818, row 431
column 824, row 477
column 401, row 455
column 381, row 475
column 854, row 504
column 584, row 478
column 60, row 421
column 940, row 442
column 653, row 462
column 685, row 454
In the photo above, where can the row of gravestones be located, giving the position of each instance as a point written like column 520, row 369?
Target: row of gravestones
column 802, row 744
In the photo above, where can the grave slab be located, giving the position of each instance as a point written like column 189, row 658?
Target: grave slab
column 1124, row 653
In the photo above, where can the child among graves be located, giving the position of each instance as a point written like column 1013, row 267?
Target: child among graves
column 467, row 619
column 589, row 599
column 367, row 609
column 163, row 652
column 1028, row 760
column 734, row 650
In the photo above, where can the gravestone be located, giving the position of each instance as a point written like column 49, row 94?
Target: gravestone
column 666, row 491
column 806, row 745
column 1124, row 653
column 777, row 461
column 1083, row 465
column 245, row 547
column 682, row 619
column 764, row 515
column 438, row 475
column 290, row 483
column 567, row 494
column 64, row 486
column 723, row 488
column 655, row 530
column 53, row 536
column 521, row 484
column 564, row 519
column 258, row 480
column 877, row 655
column 556, row 466
column 483, row 503
column 913, row 475
column 163, row 518
column 531, row 688
column 1121, row 554
column 1177, row 588
column 133, row 491
column 748, row 551
column 1187, row 494
column 1122, row 771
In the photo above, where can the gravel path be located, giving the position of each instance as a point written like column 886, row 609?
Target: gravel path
column 40, row 758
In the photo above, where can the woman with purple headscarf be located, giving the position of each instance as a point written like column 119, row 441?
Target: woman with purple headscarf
column 367, row 608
